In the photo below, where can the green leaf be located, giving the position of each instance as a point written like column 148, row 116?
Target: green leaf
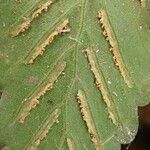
column 73, row 73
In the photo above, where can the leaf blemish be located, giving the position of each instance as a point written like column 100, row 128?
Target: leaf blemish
column 43, row 131
column 99, row 82
column 41, row 91
column 88, row 119
column 110, row 37
column 49, row 103
column 71, row 144
column 28, row 20
column 63, row 28
column 142, row 2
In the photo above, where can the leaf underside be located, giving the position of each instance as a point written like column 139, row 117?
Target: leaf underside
column 73, row 73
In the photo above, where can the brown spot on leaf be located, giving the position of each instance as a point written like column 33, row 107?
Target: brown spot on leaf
column 88, row 119
column 99, row 81
column 44, row 129
column 114, row 48
column 63, row 28
column 49, row 103
column 46, row 86
column 25, row 25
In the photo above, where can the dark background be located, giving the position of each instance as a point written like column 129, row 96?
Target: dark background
column 142, row 139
